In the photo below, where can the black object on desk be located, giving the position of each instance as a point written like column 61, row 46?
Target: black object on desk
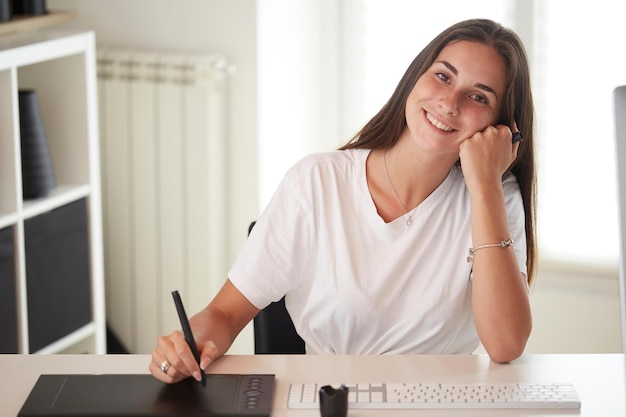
column 226, row 395
column 184, row 322
column 334, row 401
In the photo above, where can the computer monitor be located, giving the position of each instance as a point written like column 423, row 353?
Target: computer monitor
column 619, row 97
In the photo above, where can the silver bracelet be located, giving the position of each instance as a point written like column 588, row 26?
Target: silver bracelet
column 502, row 244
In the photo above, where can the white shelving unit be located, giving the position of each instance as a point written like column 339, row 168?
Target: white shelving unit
column 61, row 67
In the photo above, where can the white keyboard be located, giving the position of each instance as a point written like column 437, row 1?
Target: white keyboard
column 442, row 395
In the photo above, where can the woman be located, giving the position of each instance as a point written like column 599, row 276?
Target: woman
column 370, row 243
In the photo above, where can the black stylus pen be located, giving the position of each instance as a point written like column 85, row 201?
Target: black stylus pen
column 184, row 322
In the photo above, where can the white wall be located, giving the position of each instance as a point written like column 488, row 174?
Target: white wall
column 227, row 27
column 221, row 26
column 298, row 85
column 575, row 311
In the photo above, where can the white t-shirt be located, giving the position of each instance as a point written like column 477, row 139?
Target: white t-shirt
column 355, row 284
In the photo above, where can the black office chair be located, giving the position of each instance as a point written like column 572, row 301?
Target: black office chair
column 274, row 332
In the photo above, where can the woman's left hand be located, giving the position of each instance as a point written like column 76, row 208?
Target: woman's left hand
column 486, row 155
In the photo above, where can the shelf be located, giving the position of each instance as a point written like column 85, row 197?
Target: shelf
column 57, row 197
column 58, row 278
column 32, row 47
column 7, row 219
column 69, row 340
column 24, row 22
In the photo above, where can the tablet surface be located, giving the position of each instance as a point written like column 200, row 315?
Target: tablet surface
column 225, row 395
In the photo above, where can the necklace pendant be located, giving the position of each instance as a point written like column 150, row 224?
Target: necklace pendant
column 409, row 221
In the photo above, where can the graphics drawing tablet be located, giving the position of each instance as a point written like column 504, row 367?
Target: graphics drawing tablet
column 225, row 395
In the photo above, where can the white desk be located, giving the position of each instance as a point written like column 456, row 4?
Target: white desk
column 599, row 379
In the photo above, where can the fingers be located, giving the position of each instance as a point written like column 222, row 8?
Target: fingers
column 166, row 365
column 487, row 154
column 490, row 135
column 516, row 137
column 184, row 358
column 164, row 371
column 173, row 361
column 500, row 132
column 208, row 354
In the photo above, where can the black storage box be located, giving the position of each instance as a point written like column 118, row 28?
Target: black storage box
column 8, row 293
column 57, row 273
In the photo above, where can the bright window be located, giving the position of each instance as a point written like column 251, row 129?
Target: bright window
column 579, row 60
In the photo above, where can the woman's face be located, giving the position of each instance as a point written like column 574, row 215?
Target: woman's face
column 460, row 94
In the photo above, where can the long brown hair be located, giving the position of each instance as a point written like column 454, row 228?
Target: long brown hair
column 384, row 129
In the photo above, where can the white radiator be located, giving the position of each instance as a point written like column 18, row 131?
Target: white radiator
column 162, row 118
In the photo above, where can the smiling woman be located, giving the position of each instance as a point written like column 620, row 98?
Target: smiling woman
column 365, row 47
column 337, row 242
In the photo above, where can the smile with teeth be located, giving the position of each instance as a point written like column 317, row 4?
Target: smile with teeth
column 437, row 123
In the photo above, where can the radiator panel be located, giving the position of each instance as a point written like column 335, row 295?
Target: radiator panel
column 162, row 118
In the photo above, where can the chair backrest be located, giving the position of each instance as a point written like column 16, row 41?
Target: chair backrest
column 274, row 332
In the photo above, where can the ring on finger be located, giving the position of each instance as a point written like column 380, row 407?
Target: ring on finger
column 165, row 365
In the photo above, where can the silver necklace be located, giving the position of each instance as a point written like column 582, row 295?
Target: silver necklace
column 409, row 219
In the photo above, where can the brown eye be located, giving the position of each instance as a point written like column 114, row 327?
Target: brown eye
column 442, row 77
column 479, row 98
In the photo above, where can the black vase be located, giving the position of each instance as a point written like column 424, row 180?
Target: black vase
column 30, row 7
column 37, row 171
column 6, row 10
